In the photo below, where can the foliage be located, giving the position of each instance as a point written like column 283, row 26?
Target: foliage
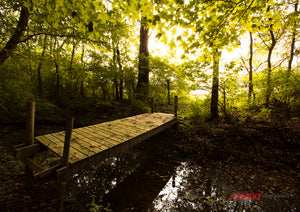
column 93, row 207
column 90, row 49
column 14, row 91
column 140, row 105
column 264, row 114
column 197, row 110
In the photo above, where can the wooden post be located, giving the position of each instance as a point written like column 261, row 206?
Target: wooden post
column 152, row 105
column 61, row 186
column 168, row 86
column 68, row 137
column 29, row 139
column 61, row 190
column 175, row 105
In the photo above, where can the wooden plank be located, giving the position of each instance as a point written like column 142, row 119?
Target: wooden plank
column 77, row 152
column 83, row 140
column 17, row 146
column 121, row 134
column 141, row 121
column 94, row 131
column 109, row 130
column 67, row 172
column 46, row 174
column 55, row 143
column 27, row 151
column 56, row 147
column 32, row 164
column 98, row 138
column 116, row 139
column 127, row 128
column 75, row 147
column 130, row 125
column 130, row 122
column 101, row 129
column 150, row 120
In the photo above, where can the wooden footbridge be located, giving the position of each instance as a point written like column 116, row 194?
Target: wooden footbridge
column 82, row 147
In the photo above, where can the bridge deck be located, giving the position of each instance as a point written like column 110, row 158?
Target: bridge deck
column 89, row 141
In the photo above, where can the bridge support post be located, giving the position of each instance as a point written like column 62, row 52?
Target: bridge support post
column 176, row 106
column 61, row 185
column 68, row 137
column 61, row 190
column 152, row 105
column 29, row 139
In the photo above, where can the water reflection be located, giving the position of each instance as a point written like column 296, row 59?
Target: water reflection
column 149, row 179
column 137, row 191
column 100, row 179
column 196, row 188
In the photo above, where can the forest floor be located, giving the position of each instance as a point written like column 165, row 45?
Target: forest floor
column 253, row 156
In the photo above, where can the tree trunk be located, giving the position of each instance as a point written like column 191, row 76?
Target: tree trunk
column 56, row 48
column 224, row 100
column 30, row 72
column 71, row 70
column 168, row 87
column 82, row 93
column 215, row 85
column 293, row 44
column 250, row 94
column 143, row 73
column 39, row 69
column 15, row 39
column 57, row 86
column 269, row 70
column 82, row 89
column 115, row 75
column 121, row 74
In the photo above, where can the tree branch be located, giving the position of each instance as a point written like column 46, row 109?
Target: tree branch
column 14, row 40
column 61, row 36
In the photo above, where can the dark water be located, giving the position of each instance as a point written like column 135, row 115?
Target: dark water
column 154, row 178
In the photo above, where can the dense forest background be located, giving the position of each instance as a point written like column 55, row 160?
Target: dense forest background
column 67, row 53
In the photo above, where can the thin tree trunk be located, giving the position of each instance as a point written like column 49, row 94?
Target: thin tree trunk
column 82, row 81
column 143, row 73
column 168, row 87
column 292, row 44
column 250, row 94
column 116, row 87
column 269, row 70
column 39, row 69
column 82, row 89
column 224, row 100
column 57, row 86
column 121, row 74
column 71, row 70
column 15, row 39
column 215, row 86
column 290, row 63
